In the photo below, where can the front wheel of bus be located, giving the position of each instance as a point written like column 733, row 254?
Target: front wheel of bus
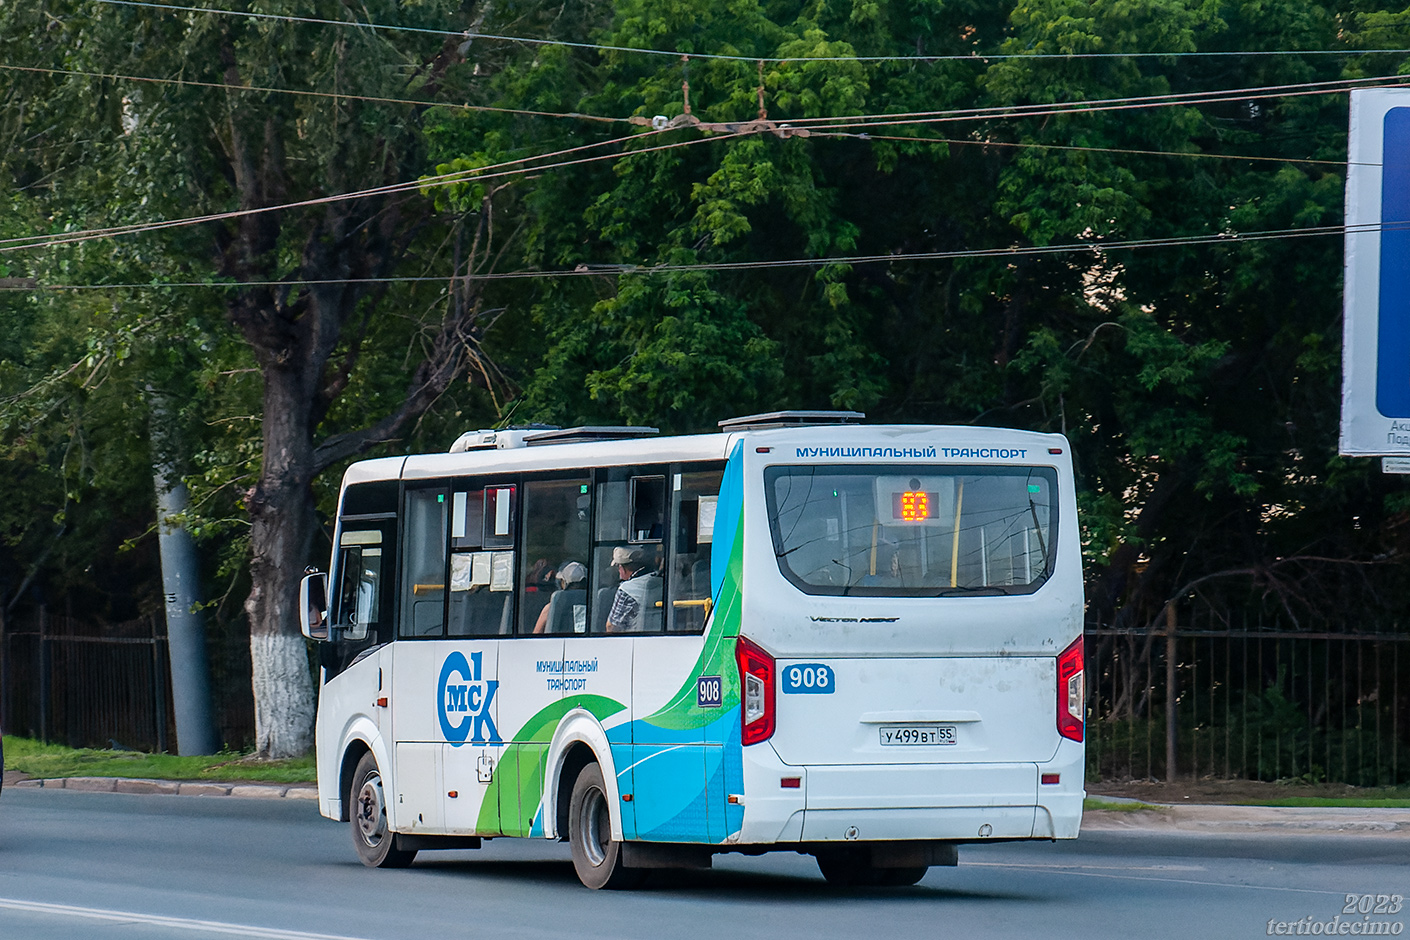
column 376, row 844
column 597, row 857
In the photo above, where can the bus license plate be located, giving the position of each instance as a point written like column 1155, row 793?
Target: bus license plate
column 923, row 735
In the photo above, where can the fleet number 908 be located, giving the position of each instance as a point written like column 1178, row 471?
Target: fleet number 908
column 809, row 678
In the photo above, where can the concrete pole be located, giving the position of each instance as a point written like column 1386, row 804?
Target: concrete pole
column 1172, row 695
column 185, row 630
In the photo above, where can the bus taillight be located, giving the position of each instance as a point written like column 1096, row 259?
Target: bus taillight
column 756, row 678
column 1071, row 702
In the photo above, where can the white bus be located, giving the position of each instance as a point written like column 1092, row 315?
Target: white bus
column 858, row 642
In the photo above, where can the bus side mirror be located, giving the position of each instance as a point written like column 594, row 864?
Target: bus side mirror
column 313, row 606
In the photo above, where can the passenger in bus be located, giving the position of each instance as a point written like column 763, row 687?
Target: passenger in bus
column 568, row 604
column 635, row 607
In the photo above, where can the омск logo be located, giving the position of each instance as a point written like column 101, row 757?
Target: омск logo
column 470, row 700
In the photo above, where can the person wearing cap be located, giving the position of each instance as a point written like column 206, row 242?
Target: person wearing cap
column 571, row 575
column 637, row 595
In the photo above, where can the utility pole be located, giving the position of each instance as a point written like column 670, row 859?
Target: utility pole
column 185, row 630
column 1172, row 694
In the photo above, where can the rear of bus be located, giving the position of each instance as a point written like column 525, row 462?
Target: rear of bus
column 910, row 620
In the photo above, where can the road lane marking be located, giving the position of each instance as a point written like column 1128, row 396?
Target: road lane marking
column 1085, row 865
column 1070, row 870
column 157, row 920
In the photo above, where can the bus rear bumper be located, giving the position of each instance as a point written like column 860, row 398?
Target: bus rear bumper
column 946, row 823
column 920, row 801
column 970, row 802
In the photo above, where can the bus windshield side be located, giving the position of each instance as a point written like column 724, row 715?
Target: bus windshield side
column 913, row 531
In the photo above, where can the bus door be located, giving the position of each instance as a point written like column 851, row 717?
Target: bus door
column 417, row 703
column 470, row 666
column 363, row 606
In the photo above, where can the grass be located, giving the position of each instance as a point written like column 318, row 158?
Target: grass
column 1107, row 806
column 52, row 760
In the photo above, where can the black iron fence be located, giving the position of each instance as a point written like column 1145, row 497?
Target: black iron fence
column 63, row 683
column 1251, row 703
column 1259, row 704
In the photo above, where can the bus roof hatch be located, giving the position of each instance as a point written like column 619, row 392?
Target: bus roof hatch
column 586, row 435
column 790, row 419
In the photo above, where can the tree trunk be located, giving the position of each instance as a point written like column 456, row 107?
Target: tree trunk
column 281, row 533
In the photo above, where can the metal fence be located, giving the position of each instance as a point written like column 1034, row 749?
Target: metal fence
column 62, row 683
column 1259, row 704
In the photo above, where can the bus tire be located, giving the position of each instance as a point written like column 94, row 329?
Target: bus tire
column 375, row 842
column 597, row 857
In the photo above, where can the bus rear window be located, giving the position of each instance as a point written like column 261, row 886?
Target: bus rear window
column 907, row 531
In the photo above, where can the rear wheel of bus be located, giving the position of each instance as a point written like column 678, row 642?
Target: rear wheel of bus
column 375, row 842
column 597, row 857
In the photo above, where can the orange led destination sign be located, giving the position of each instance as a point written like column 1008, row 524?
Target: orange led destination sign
column 911, row 506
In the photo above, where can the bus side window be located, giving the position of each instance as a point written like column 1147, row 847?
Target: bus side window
column 498, row 516
column 628, row 539
column 694, row 495
column 648, row 509
column 424, row 567
column 475, row 609
column 553, row 588
column 360, row 576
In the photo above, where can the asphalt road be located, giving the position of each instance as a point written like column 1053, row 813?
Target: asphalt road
column 105, row 865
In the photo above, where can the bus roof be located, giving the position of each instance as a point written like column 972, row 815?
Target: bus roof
column 940, row 443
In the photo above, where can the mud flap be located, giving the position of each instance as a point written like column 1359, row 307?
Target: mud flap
column 665, row 855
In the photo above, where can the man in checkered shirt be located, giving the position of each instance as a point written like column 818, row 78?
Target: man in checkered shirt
column 636, row 603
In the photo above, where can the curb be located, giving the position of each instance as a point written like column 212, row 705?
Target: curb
column 257, row 791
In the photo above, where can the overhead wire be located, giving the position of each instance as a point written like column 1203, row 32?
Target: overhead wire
column 822, row 126
column 584, row 270
column 847, row 123
column 469, row 175
column 1249, row 93
column 604, row 119
column 260, row 89
column 1130, row 102
column 528, row 40
column 1028, row 145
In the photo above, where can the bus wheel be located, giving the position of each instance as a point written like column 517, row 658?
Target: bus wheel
column 375, row 842
column 597, row 857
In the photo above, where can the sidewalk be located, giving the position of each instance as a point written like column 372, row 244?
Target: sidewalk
column 1225, row 820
